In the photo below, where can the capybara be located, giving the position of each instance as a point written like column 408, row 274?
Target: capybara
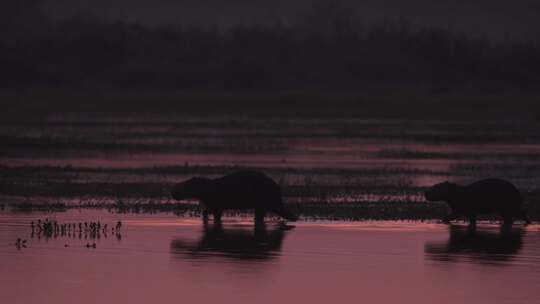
column 482, row 197
column 239, row 190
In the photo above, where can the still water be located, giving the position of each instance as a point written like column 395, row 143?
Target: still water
column 161, row 258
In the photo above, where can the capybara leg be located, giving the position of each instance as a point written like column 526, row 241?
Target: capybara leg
column 259, row 216
column 217, row 216
column 205, row 216
column 260, row 230
column 524, row 217
column 507, row 220
column 472, row 220
column 448, row 218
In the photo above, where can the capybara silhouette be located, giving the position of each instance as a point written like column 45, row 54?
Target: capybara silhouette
column 482, row 197
column 239, row 190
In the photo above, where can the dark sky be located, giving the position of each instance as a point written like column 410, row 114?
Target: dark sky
column 506, row 19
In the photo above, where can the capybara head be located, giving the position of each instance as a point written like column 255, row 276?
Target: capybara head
column 191, row 188
column 441, row 192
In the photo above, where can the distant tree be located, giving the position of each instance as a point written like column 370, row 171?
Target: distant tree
column 20, row 13
column 325, row 49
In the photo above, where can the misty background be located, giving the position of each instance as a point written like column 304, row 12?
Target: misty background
column 513, row 20
column 218, row 44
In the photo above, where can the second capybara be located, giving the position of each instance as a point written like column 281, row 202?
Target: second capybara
column 239, row 190
column 486, row 196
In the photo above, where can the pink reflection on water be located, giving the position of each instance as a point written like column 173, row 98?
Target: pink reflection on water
column 161, row 259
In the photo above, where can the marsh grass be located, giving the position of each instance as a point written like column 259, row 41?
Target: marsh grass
column 340, row 194
column 14, row 172
column 319, row 206
column 389, row 148
column 413, row 210
column 462, row 105
column 415, row 154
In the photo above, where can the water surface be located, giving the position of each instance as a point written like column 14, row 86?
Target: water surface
column 162, row 258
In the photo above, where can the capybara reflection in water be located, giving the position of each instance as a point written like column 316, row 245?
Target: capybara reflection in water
column 239, row 190
column 483, row 245
column 235, row 242
column 482, row 197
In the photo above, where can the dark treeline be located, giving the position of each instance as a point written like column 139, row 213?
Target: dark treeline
column 324, row 50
